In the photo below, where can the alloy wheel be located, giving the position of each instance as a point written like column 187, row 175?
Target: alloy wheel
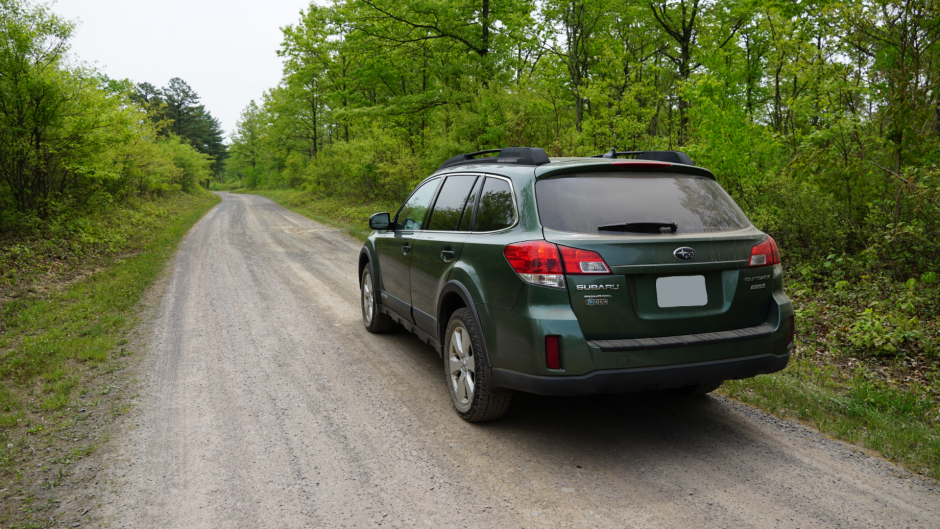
column 462, row 368
column 368, row 298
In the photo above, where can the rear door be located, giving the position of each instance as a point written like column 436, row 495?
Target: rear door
column 663, row 283
column 438, row 246
column 394, row 248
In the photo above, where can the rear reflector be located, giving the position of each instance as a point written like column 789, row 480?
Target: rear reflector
column 792, row 330
column 536, row 262
column 765, row 253
column 578, row 262
column 552, row 352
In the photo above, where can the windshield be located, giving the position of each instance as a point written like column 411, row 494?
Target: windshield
column 582, row 203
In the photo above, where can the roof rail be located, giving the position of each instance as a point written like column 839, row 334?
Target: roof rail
column 508, row 155
column 659, row 156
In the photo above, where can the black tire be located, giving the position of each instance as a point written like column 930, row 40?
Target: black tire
column 374, row 320
column 484, row 404
column 698, row 390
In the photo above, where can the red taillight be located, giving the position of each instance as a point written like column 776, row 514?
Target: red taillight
column 537, row 262
column 534, row 257
column 579, row 262
column 765, row 253
column 552, row 352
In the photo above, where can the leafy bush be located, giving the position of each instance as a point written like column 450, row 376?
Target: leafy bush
column 884, row 334
column 190, row 166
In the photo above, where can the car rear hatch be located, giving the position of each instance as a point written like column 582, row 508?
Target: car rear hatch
column 664, row 280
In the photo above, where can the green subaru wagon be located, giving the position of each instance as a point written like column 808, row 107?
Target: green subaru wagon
column 628, row 271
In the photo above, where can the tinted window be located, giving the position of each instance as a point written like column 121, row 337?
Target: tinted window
column 411, row 216
column 450, row 202
column 496, row 210
column 580, row 204
column 466, row 219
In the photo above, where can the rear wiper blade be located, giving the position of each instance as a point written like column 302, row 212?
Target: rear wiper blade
column 641, row 227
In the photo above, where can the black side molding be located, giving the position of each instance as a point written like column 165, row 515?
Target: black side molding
column 641, row 344
column 411, row 327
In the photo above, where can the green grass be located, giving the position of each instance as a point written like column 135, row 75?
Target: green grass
column 900, row 423
column 57, row 349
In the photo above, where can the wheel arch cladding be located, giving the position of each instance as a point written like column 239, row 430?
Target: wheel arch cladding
column 451, row 301
column 365, row 259
column 447, row 304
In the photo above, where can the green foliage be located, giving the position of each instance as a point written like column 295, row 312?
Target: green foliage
column 190, row 167
column 72, row 140
column 51, row 116
column 883, row 333
column 175, row 111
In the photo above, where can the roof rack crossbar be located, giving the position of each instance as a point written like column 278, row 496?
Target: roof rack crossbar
column 613, row 153
column 660, row 156
column 507, row 155
column 478, row 153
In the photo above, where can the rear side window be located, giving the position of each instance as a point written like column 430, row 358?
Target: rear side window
column 466, row 219
column 496, row 210
column 411, row 216
column 581, row 203
column 451, row 202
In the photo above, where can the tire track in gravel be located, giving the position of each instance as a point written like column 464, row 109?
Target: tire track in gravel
column 266, row 404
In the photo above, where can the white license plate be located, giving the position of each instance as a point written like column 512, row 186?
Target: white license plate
column 681, row 291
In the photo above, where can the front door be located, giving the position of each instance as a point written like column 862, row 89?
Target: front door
column 395, row 247
column 438, row 247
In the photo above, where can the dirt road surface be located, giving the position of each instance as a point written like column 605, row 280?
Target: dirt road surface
column 266, row 404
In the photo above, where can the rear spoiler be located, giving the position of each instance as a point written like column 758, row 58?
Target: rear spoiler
column 593, row 165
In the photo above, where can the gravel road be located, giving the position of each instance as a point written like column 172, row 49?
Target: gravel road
column 265, row 403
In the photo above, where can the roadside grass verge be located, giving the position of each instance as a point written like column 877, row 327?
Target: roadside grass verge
column 888, row 405
column 59, row 352
column 901, row 424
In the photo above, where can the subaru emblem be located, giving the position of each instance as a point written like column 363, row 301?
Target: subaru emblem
column 685, row 253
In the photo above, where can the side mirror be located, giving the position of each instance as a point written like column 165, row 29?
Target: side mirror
column 380, row 221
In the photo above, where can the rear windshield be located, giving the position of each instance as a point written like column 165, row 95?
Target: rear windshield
column 581, row 203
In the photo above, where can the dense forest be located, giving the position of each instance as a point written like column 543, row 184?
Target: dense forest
column 74, row 142
column 821, row 117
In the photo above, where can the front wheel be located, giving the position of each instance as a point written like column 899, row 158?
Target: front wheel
column 472, row 394
column 374, row 320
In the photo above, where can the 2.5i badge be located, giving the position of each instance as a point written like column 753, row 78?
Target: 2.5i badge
column 594, row 302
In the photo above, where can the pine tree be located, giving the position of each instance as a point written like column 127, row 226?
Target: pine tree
column 178, row 109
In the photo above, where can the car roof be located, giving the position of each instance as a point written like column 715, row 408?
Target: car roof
column 573, row 165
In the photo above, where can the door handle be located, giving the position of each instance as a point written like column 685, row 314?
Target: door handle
column 447, row 254
column 405, row 248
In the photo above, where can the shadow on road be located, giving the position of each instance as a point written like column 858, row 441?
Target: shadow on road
column 656, row 426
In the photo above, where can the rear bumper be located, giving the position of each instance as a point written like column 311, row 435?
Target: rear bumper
column 641, row 378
